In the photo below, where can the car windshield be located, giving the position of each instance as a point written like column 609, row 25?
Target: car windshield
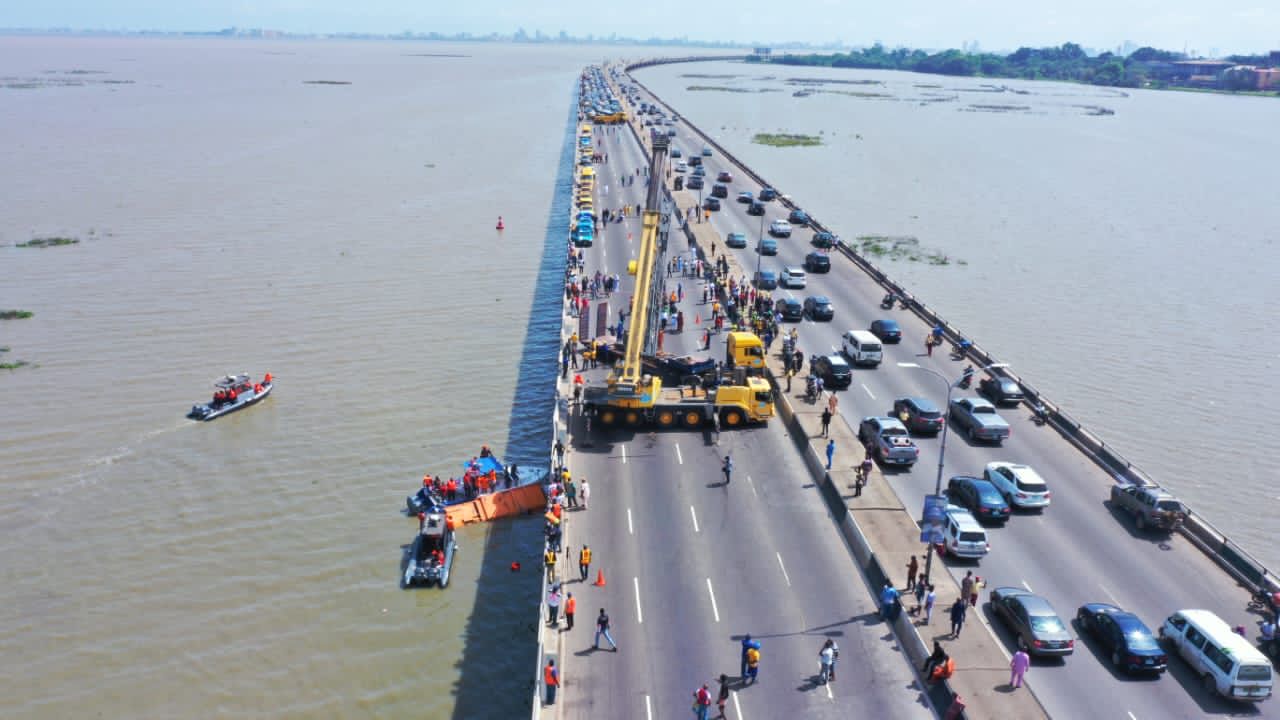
column 1170, row 505
column 1046, row 624
column 1140, row 640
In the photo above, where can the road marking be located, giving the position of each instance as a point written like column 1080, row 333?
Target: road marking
column 753, row 486
column 830, row 697
column 648, row 709
column 695, row 519
column 631, row 530
column 864, row 387
column 785, row 576
column 639, row 615
column 1108, row 592
column 715, row 610
column 1028, row 587
column 679, row 457
column 736, row 708
column 1132, row 716
column 624, row 454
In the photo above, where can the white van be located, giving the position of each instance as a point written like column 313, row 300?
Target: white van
column 862, row 348
column 1226, row 663
column 962, row 536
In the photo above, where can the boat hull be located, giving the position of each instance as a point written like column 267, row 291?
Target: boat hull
column 206, row 411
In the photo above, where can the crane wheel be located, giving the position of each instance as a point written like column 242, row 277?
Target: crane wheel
column 732, row 418
column 633, row 418
column 666, row 418
column 608, row 418
column 692, row 419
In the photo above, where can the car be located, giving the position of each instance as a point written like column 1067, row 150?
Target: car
column 671, row 132
column 791, row 277
column 1132, row 646
column 767, row 246
column 1021, row 486
column 736, row 240
column 819, row 307
column 888, row 439
column 980, row 496
column 695, row 161
column 1033, row 621
column 1151, row 505
column 919, row 414
column 780, row 228
column 824, row 240
column 694, row 183
column 767, row 193
column 790, row 309
column 675, row 153
column 746, row 197
column 720, row 190
column 979, row 419
column 766, row 280
column 706, row 151
column 725, row 176
column 833, row 370
column 755, row 208
column 700, row 170
column 887, row 330
column 817, row 262
column 711, row 203
column 682, row 166
column 1001, row 390
column 798, row 217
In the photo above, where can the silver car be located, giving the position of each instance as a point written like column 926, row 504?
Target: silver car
column 1021, row 485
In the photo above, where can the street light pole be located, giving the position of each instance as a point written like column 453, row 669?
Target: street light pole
column 942, row 451
column 759, row 245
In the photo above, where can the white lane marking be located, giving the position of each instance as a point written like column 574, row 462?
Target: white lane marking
column 736, row 708
column 1028, row 587
column 695, row 519
column 715, row 610
column 785, row 576
column 1108, row 592
column 639, row 615
column 679, row 457
column 753, row 486
column 1132, row 716
column 631, row 530
column 864, row 387
column 648, row 709
column 624, row 454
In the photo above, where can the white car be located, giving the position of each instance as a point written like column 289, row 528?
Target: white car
column 682, row 166
column 780, row 228
column 791, row 277
column 1020, row 485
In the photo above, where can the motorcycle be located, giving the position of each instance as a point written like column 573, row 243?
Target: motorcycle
column 959, row 348
column 1039, row 414
column 886, row 303
column 966, row 380
column 811, row 390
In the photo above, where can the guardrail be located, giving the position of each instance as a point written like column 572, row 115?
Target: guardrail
column 1237, row 562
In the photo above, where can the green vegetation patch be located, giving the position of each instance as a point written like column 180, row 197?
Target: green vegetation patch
column 901, row 247
column 326, row 82
column 786, row 140
column 49, row 242
column 858, row 94
column 11, row 365
column 718, row 88
column 15, row 315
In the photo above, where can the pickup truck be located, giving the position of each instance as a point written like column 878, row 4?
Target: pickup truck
column 680, row 370
column 1151, row 506
column 888, row 439
column 979, row 419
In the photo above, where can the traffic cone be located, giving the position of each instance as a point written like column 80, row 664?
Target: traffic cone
column 697, row 319
column 599, row 578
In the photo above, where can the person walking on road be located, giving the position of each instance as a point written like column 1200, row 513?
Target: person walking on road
column 551, row 678
column 559, row 453
column 832, row 403
column 1018, row 667
column 888, row 602
column 727, row 469
column 753, row 662
column 862, row 474
column 550, row 559
column 584, row 563
column 913, row 567
column 553, row 606
column 747, row 644
column 831, row 451
column 966, row 586
column 602, row 628
column 583, row 491
column 826, row 656
column 930, row 598
column 702, row 702
column 571, row 493
column 826, row 415
column 724, row 694
column 570, row 608
column 958, row 610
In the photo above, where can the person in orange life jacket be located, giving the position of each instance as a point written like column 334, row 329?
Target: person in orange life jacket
column 551, row 678
column 231, row 395
column 570, row 608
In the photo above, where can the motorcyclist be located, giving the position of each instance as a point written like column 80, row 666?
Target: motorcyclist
column 966, row 378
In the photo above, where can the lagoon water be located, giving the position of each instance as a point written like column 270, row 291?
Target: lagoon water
column 236, row 217
column 1125, row 264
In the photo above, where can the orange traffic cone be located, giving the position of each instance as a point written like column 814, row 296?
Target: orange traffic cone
column 599, row 578
column 697, row 319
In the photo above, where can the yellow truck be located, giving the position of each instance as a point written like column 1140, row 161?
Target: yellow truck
column 653, row 405
column 744, row 350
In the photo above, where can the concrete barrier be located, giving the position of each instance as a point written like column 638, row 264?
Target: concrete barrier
column 1246, row 569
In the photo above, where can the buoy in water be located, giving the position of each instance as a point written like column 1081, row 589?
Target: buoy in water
column 515, row 567
column 500, row 223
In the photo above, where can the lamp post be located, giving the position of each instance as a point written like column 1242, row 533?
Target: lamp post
column 759, row 245
column 942, row 451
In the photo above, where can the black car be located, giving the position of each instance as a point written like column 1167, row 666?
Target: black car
column 1132, row 646
column 725, row 176
column 1001, row 390
column 694, row 183
column 1033, row 621
column 823, row 239
column 746, row 197
column 887, row 330
column 767, row 194
column 819, row 307
column 711, row 203
column 695, row 160
column 980, row 496
column 798, row 217
column 790, row 309
column 720, row 190
column 736, row 240
column 755, row 208
column 920, row 415
column 817, row 262
column 833, row 370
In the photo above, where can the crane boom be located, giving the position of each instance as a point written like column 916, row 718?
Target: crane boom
column 627, row 378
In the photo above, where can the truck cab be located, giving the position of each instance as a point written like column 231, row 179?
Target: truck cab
column 744, row 349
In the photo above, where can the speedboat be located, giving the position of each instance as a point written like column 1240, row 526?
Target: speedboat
column 232, row 393
column 430, row 557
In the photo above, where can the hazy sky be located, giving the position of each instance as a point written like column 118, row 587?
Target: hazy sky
column 1238, row 26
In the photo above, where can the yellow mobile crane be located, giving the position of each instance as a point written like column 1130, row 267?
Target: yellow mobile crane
column 634, row 398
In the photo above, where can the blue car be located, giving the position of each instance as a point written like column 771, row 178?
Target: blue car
column 887, row 330
column 1131, row 645
column 768, row 246
column 980, row 496
column 584, row 235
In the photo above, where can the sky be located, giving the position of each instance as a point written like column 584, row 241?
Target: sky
column 1243, row 26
